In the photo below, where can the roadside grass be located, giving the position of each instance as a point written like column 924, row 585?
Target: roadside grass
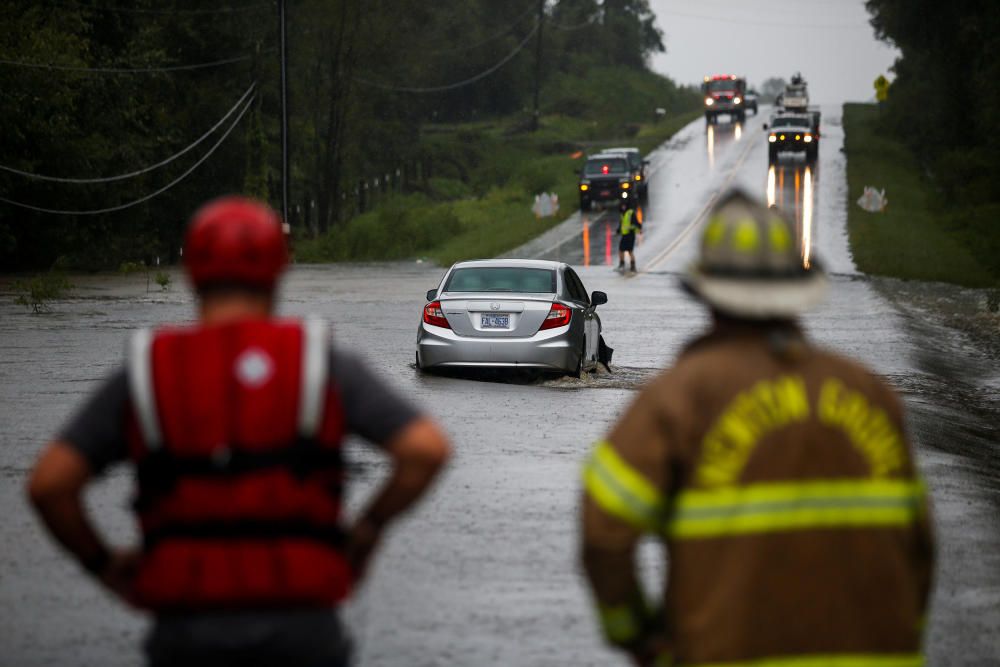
column 483, row 176
column 478, row 202
column 915, row 238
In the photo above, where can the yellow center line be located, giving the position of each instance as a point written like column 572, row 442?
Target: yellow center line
column 701, row 215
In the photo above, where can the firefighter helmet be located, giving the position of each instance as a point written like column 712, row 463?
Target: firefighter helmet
column 235, row 241
column 750, row 265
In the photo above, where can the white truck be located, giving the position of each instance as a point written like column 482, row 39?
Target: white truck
column 796, row 95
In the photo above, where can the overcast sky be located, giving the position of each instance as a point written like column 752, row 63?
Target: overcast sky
column 835, row 47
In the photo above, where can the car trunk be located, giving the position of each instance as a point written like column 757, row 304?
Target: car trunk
column 496, row 315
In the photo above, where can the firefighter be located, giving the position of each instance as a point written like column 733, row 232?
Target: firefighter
column 778, row 475
column 234, row 426
column 629, row 224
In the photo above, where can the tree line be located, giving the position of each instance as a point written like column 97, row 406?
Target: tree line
column 944, row 103
column 107, row 103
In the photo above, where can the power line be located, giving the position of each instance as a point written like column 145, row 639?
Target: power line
column 137, row 10
column 145, row 170
column 457, row 84
column 124, row 70
column 156, row 193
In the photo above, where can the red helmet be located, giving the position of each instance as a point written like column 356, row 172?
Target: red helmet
column 235, row 241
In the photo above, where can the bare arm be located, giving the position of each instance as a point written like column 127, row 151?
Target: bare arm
column 56, row 490
column 418, row 453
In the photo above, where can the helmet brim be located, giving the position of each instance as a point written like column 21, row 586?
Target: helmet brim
column 758, row 298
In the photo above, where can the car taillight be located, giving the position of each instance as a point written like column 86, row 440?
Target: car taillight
column 434, row 315
column 558, row 317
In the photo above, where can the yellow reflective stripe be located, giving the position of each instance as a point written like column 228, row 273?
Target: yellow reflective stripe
column 620, row 490
column 620, row 623
column 830, row 660
column 758, row 508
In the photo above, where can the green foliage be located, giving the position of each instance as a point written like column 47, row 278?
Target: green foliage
column 447, row 188
column 127, row 268
column 255, row 180
column 349, row 119
column 617, row 97
column 916, row 237
column 403, row 227
column 943, row 105
column 163, row 280
column 505, row 167
column 38, row 291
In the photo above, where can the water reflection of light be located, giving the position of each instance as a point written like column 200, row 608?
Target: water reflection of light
column 739, row 131
column 798, row 199
column 607, row 243
column 781, row 188
column 770, row 186
column 586, row 242
column 807, row 218
column 710, row 138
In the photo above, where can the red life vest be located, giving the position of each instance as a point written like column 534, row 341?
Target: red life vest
column 236, row 434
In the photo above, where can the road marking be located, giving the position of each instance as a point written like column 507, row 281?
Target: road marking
column 702, row 213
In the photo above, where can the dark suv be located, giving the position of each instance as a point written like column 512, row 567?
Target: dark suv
column 638, row 166
column 606, row 177
column 793, row 132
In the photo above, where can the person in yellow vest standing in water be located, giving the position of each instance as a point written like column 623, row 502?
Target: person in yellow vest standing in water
column 629, row 225
column 778, row 475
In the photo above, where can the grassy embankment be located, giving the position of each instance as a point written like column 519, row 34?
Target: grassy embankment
column 916, row 237
column 478, row 201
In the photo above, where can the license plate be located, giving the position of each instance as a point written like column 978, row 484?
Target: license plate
column 496, row 321
column 605, row 193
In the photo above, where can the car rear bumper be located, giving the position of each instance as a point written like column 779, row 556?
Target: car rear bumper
column 556, row 349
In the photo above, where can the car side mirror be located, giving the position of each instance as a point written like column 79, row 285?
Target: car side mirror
column 645, row 163
column 431, row 293
column 765, row 126
column 598, row 298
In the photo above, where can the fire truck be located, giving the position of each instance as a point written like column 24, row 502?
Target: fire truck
column 725, row 94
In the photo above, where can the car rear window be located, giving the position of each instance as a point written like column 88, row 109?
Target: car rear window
column 501, row 279
column 615, row 165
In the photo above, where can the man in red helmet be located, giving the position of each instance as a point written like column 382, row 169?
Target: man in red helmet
column 234, row 426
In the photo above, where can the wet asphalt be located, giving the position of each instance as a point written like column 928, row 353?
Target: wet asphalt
column 485, row 571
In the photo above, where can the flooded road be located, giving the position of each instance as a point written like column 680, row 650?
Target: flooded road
column 485, row 572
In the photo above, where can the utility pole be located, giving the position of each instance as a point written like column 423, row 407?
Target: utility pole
column 538, row 62
column 284, row 114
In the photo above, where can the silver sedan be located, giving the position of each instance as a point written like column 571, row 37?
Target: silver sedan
column 512, row 313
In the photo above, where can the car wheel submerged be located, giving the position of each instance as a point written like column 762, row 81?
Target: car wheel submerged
column 578, row 373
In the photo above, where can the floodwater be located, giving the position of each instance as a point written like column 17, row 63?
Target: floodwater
column 485, row 571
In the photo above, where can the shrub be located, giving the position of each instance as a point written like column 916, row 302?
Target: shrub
column 444, row 189
column 36, row 292
column 128, row 268
column 163, row 280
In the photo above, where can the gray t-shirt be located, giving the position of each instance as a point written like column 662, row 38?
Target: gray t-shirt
column 372, row 410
